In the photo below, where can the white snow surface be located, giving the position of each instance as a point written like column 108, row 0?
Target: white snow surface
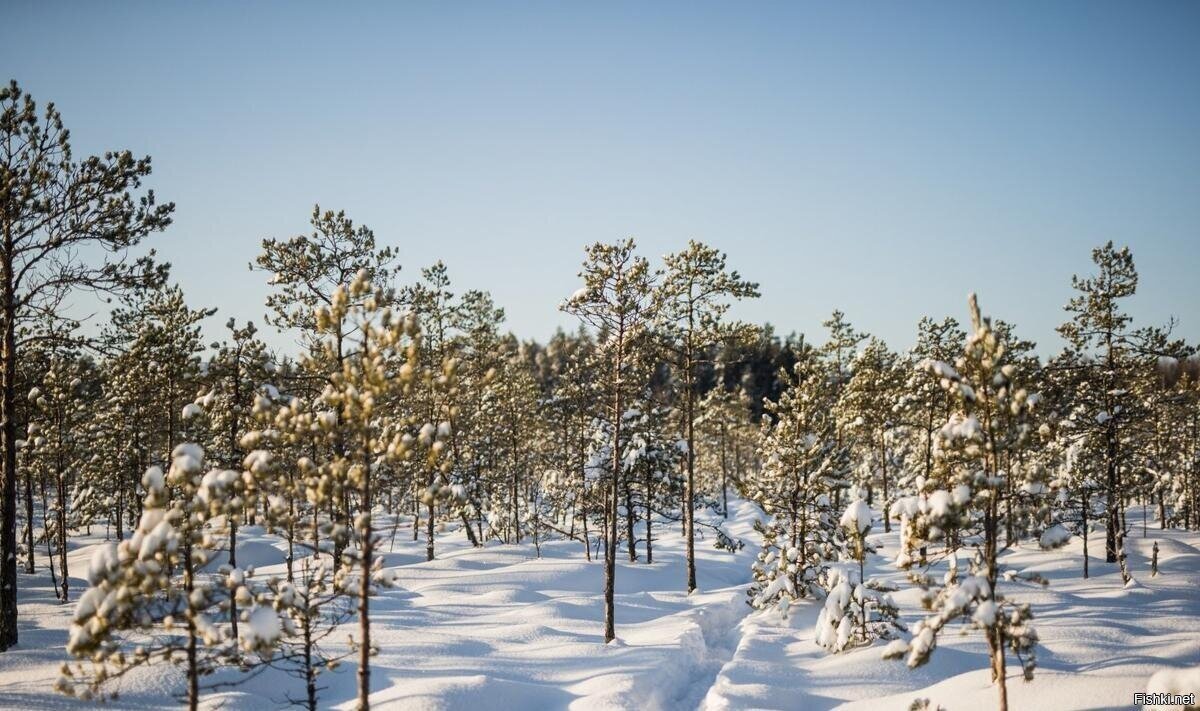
column 498, row 627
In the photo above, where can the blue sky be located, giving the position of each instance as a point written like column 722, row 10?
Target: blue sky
column 884, row 158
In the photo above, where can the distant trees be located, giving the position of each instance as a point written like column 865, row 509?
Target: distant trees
column 56, row 447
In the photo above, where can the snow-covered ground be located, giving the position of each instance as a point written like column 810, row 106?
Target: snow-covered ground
column 501, row 628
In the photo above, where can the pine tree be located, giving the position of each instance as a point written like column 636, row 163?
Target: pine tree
column 53, row 209
column 616, row 300
column 371, row 380
column 234, row 375
column 857, row 610
column 694, row 295
column 571, row 407
column 840, row 351
column 801, row 463
column 133, row 588
column 728, row 432
column 1099, row 332
column 989, row 422
column 55, row 448
column 865, row 412
column 306, row 271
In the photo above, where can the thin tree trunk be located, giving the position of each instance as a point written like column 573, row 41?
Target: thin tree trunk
column 364, row 594
column 233, row 609
column 62, row 534
column 310, row 673
column 630, row 521
column 689, row 498
column 610, row 546
column 1084, row 511
column 649, row 479
column 996, row 640
column 724, row 476
column 193, row 670
column 429, row 530
column 8, row 442
column 887, row 519
column 29, row 546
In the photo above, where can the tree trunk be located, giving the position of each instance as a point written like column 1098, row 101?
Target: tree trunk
column 29, row 537
column 8, row 443
column 233, row 608
column 1084, row 511
column 193, row 669
column 630, row 522
column 999, row 673
column 610, row 545
column 310, row 673
column 649, row 514
column 887, row 518
column 364, row 596
column 610, row 556
column 689, row 498
column 724, row 477
column 429, row 530
column 62, row 534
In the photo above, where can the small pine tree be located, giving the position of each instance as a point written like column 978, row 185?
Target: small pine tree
column 801, row 455
column 857, row 610
column 133, row 589
column 990, row 420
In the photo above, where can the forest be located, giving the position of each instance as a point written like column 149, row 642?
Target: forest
column 202, row 518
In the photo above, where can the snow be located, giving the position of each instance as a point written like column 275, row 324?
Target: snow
column 857, row 517
column 985, row 614
column 1055, row 536
column 941, row 503
column 498, row 627
column 262, row 629
column 1175, row 681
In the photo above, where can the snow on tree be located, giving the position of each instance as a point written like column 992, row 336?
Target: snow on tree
column 56, row 451
column 857, row 610
column 865, row 412
column 989, row 420
column 135, row 599
column 802, row 460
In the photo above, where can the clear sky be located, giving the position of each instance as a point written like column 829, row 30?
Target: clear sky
column 884, row 158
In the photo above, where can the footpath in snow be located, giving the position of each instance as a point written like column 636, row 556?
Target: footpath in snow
column 1099, row 641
